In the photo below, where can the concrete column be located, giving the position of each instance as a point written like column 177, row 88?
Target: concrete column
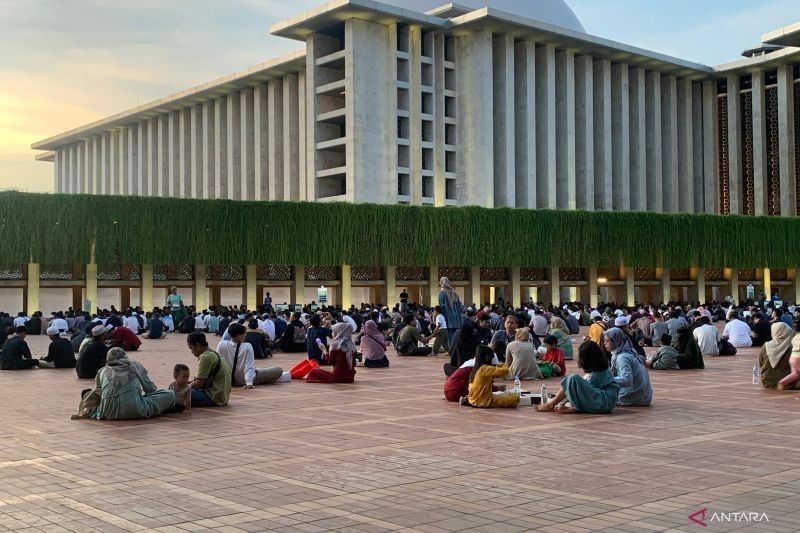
column 261, row 142
column 620, row 127
column 584, row 132
column 515, row 298
column 504, row 119
column 247, row 178
column 164, row 156
column 638, row 142
column 291, row 137
column 760, row 136
column 105, row 163
column 302, row 175
column 700, row 284
column 390, row 286
column 251, row 287
column 275, row 135
column 432, row 296
column 666, row 285
column 173, row 154
column 147, row 288
column 734, row 146
column 32, row 289
column 415, row 113
column 185, row 153
column 132, row 184
column 59, row 167
column 474, row 60
column 346, row 286
column 603, row 160
column 546, row 127
column 196, row 188
column 525, row 132
column 112, row 185
column 669, row 142
column 91, row 286
column 87, row 166
column 555, row 286
column 220, row 147
column 767, row 282
column 592, row 275
column 654, row 162
column 152, row 160
column 142, row 158
column 786, row 134
column 80, row 163
column 685, row 147
column 566, row 187
column 474, row 287
column 200, row 288
column 234, row 188
column 299, row 285
column 125, row 160
column 209, row 149
column 630, row 286
column 710, row 147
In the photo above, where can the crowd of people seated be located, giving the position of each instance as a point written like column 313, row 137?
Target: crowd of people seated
column 484, row 344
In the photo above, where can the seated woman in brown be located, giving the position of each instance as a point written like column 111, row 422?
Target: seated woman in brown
column 774, row 358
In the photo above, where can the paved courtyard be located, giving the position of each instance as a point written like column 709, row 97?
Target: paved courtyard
column 389, row 454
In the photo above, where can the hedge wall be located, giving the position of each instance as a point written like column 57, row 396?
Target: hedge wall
column 59, row 229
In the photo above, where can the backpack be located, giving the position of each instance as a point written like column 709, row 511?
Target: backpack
column 299, row 335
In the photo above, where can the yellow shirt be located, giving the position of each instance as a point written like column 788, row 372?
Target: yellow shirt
column 596, row 331
column 480, row 390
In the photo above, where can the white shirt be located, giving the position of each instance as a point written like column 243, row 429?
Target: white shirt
column 471, row 362
column 539, row 324
column 707, row 338
column 61, row 324
column 199, row 323
column 131, row 323
column 738, row 333
column 441, row 322
column 169, row 324
column 268, row 326
column 594, row 313
column 206, row 319
column 20, row 321
column 350, row 321
column 245, row 371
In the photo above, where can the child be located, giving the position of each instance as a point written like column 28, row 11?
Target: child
column 554, row 355
column 481, row 380
column 182, row 386
column 666, row 358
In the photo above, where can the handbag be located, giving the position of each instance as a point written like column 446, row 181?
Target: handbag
column 546, row 368
column 90, row 401
column 726, row 348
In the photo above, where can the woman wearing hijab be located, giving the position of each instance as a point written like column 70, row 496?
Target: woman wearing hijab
column 559, row 330
column 761, row 330
column 373, row 346
column 341, row 356
column 628, row 370
column 521, row 357
column 452, row 309
column 689, row 354
column 127, row 392
column 774, row 358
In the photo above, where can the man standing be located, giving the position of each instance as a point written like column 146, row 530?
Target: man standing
column 404, row 302
column 16, row 354
column 175, row 303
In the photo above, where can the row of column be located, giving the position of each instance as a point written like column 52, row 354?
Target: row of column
column 473, row 289
column 244, row 145
column 575, row 132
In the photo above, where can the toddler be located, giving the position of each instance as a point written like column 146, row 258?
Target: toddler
column 182, row 386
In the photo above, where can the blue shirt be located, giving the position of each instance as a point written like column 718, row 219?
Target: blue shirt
column 633, row 380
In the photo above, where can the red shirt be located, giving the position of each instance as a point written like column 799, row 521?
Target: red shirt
column 457, row 385
column 556, row 356
column 123, row 336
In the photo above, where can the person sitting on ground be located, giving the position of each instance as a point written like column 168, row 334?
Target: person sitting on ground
column 127, row 391
column 792, row 380
column 559, row 330
column 658, row 328
column 707, row 336
column 481, row 381
column 506, row 336
column 240, row 357
column 596, row 330
column 256, row 338
column 628, row 370
column 521, row 357
column 155, row 328
column 689, row 355
column 773, row 361
column 182, row 387
column 93, row 356
column 761, row 333
column 737, row 332
column 554, row 356
column 16, row 354
column 212, row 385
column 666, row 358
column 315, row 333
column 596, row 395
column 59, row 353
column 373, row 346
column 124, row 338
column 186, row 324
column 341, row 354
column 294, row 338
column 469, row 336
column 456, row 386
column 409, row 338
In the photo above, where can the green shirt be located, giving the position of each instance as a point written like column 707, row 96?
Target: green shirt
column 220, row 390
column 174, row 300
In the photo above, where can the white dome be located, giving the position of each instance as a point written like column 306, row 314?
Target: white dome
column 551, row 11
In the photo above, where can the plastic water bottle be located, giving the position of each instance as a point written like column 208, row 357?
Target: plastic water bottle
column 517, row 386
column 756, row 375
column 545, row 397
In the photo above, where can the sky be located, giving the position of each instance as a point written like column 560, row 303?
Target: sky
column 64, row 63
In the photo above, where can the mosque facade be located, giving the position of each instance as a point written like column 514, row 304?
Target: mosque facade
column 492, row 103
